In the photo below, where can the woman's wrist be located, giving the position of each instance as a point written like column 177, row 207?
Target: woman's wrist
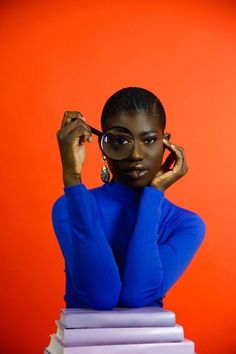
column 70, row 179
column 159, row 187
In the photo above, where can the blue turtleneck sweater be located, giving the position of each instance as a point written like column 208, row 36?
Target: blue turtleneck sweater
column 123, row 246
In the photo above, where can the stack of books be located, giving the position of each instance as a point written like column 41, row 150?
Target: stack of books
column 142, row 330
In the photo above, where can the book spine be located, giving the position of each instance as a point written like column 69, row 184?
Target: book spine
column 99, row 320
column 105, row 336
column 184, row 347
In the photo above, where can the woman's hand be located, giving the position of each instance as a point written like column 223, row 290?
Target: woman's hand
column 71, row 137
column 166, row 176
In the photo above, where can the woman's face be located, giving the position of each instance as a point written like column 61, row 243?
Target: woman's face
column 148, row 149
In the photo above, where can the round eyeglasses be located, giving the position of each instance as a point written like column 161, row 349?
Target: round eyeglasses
column 116, row 143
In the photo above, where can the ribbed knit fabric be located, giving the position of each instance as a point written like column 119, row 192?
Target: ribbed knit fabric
column 123, row 246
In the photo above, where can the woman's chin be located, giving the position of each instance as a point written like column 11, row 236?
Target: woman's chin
column 134, row 182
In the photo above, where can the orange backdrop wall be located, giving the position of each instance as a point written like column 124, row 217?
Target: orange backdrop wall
column 72, row 55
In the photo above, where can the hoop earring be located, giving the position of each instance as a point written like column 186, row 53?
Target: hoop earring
column 105, row 174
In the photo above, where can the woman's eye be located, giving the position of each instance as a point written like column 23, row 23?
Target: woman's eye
column 120, row 141
column 150, row 140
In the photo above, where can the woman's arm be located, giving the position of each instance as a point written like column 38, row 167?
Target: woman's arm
column 151, row 269
column 71, row 137
column 88, row 256
column 92, row 274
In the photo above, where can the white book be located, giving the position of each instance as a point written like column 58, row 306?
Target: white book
column 184, row 347
column 149, row 316
column 125, row 335
column 46, row 352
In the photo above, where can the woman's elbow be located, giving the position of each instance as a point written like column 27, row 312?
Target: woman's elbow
column 105, row 300
column 138, row 299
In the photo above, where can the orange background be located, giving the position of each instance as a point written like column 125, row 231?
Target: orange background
column 72, row 55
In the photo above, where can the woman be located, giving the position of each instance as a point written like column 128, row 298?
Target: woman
column 123, row 242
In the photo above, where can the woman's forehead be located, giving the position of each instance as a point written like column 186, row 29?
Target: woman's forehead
column 136, row 122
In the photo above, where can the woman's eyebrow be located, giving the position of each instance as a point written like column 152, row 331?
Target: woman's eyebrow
column 119, row 127
column 148, row 132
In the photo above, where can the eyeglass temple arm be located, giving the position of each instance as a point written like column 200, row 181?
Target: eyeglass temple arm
column 95, row 131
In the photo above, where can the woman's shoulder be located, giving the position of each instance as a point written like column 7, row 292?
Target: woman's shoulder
column 176, row 208
column 177, row 215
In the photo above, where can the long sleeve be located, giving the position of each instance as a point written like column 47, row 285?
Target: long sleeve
column 89, row 260
column 151, row 267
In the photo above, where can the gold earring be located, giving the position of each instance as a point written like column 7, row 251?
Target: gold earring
column 105, row 174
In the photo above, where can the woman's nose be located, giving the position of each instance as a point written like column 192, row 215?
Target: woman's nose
column 137, row 152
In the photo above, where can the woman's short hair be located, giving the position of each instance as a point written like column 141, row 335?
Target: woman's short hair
column 131, row 100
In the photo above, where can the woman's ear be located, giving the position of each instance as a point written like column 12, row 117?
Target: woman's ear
column 167, row 136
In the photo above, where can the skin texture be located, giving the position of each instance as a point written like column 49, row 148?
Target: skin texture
column 148, row 150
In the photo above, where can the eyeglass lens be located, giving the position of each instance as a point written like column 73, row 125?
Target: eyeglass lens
column 116, row 143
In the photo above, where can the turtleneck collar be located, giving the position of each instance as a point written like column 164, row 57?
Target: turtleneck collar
column 122, row 191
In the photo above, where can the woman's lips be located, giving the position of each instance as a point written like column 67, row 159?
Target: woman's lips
column 136, row 173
